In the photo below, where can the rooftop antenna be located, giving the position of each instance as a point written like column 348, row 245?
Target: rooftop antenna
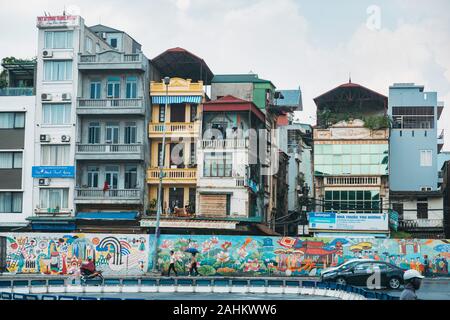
column 64, row 11
column 349, row 77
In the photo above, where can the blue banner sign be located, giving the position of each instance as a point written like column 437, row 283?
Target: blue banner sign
column 53, row 172
column 348, row 221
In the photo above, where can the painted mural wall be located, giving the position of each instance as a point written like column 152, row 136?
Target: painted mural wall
column 62, row 254
column 285, row 256
column 217, row 255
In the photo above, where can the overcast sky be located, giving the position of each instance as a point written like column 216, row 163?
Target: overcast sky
column 311, row 44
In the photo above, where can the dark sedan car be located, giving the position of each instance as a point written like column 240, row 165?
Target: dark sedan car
column 372, row 274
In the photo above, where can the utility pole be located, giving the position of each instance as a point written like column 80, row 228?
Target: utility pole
column 161, row 175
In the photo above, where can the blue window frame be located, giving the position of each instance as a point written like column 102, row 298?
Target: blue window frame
column 131, row 88
column 95, row 89
column 113, row 87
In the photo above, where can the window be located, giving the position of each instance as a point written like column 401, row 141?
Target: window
column 422, row 208
column 112, row 132
column 131, row 88
column 55, row 155
column 10, row 202
column 12, row 120
column 193, row 158
column 113, row 42
column 131, row 177
column 89, row 45
column 97, row 48
column 92, row 177
column 10, row 160
column 58, row 70
column 217, row 165
column 413, row 117
column 162, row 113
column 193, row 112
column 95, row 89
column 398, row 207
column 56, row 114
column 130, row 132
column 426, row 158
column 113, row 87
column 58, row 39
column 94, row 133
column 53, row 198
column 344, row 201
column 160, row 155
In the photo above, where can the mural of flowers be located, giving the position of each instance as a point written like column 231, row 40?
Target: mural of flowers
column 223, row 257
column 226, row 245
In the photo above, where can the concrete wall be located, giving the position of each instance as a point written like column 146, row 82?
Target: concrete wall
column 239, row 90
column 218, row 255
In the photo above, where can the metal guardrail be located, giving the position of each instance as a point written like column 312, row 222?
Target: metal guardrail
column 63, row 289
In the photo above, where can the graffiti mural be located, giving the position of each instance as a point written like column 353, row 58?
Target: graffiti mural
column 286, row 256
column 63, row 253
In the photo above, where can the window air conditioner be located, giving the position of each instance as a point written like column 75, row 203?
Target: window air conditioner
column 46, row 97
column 44, row 138
column 44, row 182
column 66, row 96
column 65, row 138
column 47, row 54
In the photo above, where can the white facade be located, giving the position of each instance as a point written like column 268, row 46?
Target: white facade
column 23, row 104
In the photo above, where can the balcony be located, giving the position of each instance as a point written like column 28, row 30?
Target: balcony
column 112, row 60
column 224, row 144
column 420, row 224
column 112, row 196
column 178, row 129
column 109, row 152
column 111, row 106
column 173, row 176
column 17, row 91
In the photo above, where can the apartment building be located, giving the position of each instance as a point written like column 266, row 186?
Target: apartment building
column 91, row 142
column 414, row 147
column 16, row 143
column 351, row 163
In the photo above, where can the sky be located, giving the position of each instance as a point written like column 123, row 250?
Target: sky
column 314, row 45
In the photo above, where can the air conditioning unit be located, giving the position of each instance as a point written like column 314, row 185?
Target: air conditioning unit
column 65, row 138
column 426, row 188
column 44, row 182
column 47, row 54
column 44, row 138
column 66, row 96
column 46, row 97
column 108, row 141
column 104, row 35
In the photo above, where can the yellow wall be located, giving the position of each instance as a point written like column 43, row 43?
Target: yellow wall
column 154, row 152
column 155, row 113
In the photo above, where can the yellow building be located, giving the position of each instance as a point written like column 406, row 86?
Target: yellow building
column 184, row 106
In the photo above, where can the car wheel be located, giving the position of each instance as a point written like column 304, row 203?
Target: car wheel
column 341, row 281
column 394, row 283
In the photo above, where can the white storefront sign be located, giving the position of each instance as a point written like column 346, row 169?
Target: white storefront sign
column 58, row 21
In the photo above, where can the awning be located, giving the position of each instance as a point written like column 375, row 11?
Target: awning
column 176, row 99
column 126, row 215
column 266, row 230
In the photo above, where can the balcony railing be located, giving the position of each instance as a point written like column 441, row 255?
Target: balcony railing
column 420, row 223
column 172, row 128
column 110, row 103
column 87, row 193
column 224, row 144
column 109, row 148
column 97, row 58
column 17, row 91
column 181, row 175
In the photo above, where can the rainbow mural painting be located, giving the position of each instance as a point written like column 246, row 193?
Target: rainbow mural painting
column 62, row 254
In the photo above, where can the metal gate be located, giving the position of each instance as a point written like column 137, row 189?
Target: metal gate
column 2, row 254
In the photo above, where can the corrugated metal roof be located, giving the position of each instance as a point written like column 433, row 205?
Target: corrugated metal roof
column 239, row 78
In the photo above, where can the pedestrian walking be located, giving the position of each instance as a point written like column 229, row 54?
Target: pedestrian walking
column 413, row 280
column 426, row 266
column 172, row 264
column 193, row 265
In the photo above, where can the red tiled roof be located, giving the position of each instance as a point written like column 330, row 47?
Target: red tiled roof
column 231, row 103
